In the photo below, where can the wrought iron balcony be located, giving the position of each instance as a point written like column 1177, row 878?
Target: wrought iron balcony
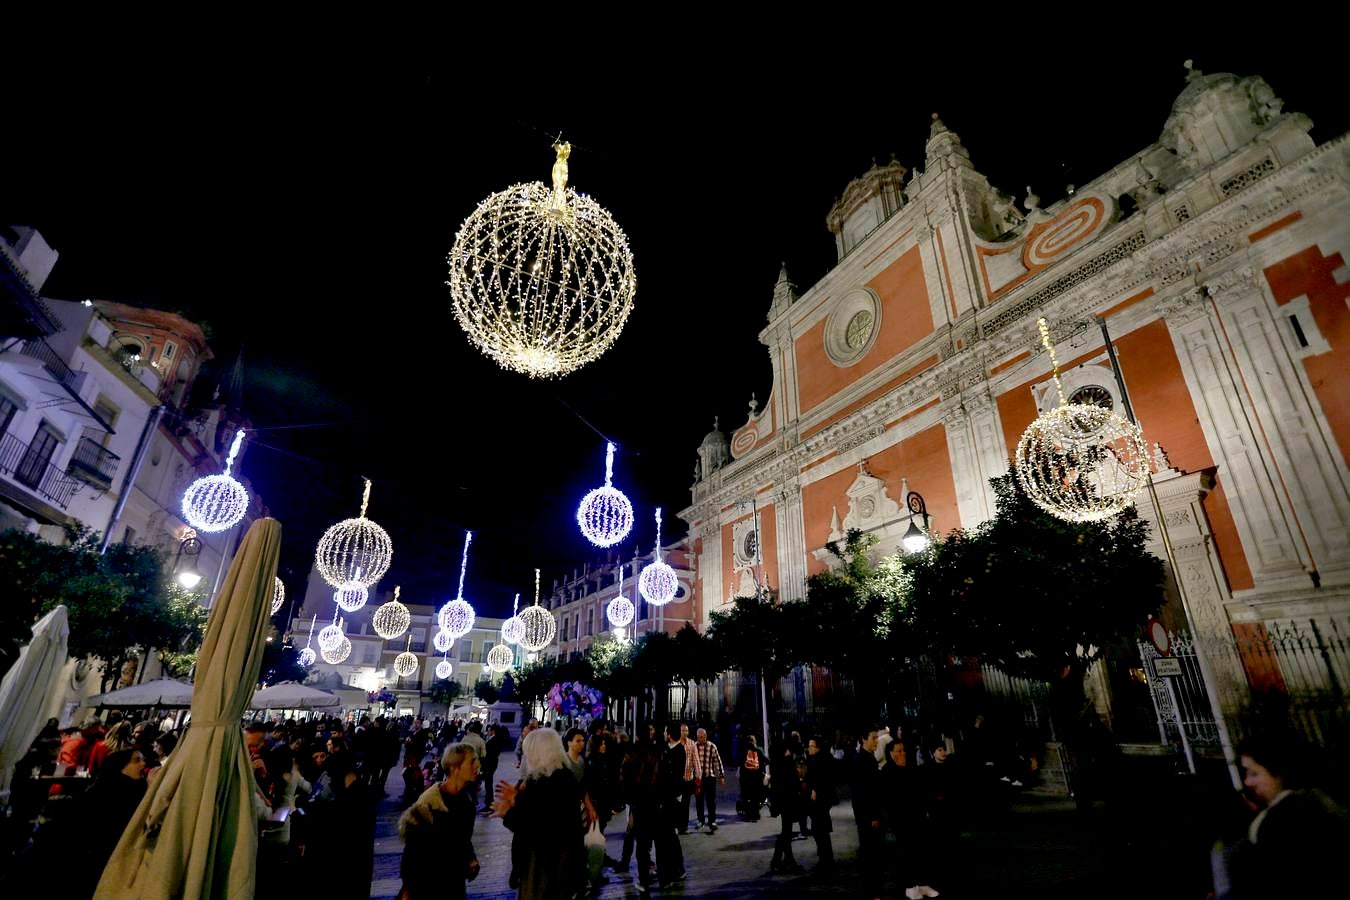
column 19, row 462
column 56, row 367
column 93, row 464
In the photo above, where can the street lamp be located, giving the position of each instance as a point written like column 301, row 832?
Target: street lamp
column 190, row 546
column 916, row 539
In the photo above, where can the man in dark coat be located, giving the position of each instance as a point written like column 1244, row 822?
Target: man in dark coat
column 868, row 811
column 820, row 796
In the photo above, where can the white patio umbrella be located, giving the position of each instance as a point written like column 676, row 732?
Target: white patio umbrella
column 164, row 692
column 293, row 695
column 25, row 693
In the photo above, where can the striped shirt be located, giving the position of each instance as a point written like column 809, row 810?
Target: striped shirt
column 693, row 769
column 709, row 759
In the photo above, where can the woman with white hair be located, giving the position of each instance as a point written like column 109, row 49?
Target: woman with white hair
column 545, row 813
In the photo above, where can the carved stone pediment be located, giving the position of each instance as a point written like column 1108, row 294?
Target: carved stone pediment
column 869, row 506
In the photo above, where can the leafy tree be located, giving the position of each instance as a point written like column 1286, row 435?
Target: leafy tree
column 533, row 681
column 446, row 690
column 486, row 691
column 761, row 635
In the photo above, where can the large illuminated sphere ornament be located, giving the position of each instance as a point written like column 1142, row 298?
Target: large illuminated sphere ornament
column 442, row 641
column 513, row 629
column 604, row 515
column 354, row 552
column 444, row 669
column 456, row 618
column 216, row 502
column 278, row 595
column 338, row 652
column 541, row 279
column 620, row 612
column 1080, row 462
column 500, row 658
column 306, row 657
column 406, row 662
column 658, row 583
column 331, row 635
column 350, row 599
column 540, row 626
column 391, row 619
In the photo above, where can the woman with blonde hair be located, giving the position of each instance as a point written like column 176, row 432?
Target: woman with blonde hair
column 546, row 814
column 437, row 831
column 119, row 738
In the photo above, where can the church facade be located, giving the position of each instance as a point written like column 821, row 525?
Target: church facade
column 1216, row 257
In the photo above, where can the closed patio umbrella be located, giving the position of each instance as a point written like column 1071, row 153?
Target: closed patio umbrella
column 290, row 695
column 196, row 832
column 25, row 694
column 164, row 692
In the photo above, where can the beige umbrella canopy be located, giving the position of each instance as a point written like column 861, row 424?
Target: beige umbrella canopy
column 196, row 832
column 25, row 692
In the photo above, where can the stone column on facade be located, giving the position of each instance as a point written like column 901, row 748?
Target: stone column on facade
column 970, row 494
column 710, row 567
column 1200, row 575
column 991, row 451
column 1264, row 526
column 1310, row 473
column 791, row 541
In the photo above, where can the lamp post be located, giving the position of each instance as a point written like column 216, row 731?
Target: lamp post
column 190, row 546
column 916, row 539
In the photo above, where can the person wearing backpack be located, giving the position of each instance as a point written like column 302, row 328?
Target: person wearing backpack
column 752, row 780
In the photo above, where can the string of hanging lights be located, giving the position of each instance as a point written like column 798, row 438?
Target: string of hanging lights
column 1080, row 462
column 278, row 595
column 354, row 552
column 605, row 515
column 217, row 502
column 658, row 582
column 307, row 656
column 541, row 280
column 456, row 618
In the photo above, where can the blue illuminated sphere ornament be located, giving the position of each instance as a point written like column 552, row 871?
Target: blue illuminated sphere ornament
column 456, row 618
column 620, row 612
column 442, row 641
column 444, row 669
column 350, row 599
column 658, row 583
column 513, row 629
column 306, row 657
column 214, row 503
column 605, row 515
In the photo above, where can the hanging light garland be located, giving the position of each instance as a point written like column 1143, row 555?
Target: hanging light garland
column 217, row 502
column 444, row 669
column 338, row 652
column 331, row 635
column 513, row 629
column 391, row 619
column 540, row 626
column 620, row 612
column 307, row 656
column 406, row 662
column 278, row 595
column 541, row 279
column 500, row 658
column 442, row 641
column 354, row 552
column 658, row 582
column 1080, row 462
column 456, row 618
column 604, row 515
column 350, row 599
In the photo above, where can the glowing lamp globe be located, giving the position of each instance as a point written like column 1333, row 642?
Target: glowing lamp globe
column 620, row 612
column 391, row 619
column 658, row 583
column 540, row 628
column 513, row 629
column 541, row 279
column 330, row 636
column 444, row 669
column 456, row 618
column 306, row 657
column 278, row 595
column 500, row 658
column 214, row 503
column 338, row 652
column 605, row 516
column 442, row 641
column 354, row 552
column 350, row 599
column 405, row 663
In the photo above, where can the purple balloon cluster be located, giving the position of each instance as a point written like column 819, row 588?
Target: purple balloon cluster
column 572, row 698
column 383, row 697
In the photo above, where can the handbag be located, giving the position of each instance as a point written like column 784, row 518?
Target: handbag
column 595, row 852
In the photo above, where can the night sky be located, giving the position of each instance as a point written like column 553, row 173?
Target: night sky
column 300, row 199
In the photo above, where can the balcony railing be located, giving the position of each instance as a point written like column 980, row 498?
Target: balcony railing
column 18, row 461
column 43, row 352
column 93, row 464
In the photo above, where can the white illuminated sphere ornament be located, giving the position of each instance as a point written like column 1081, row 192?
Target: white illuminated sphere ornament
column 443, row 641
column 605, row 515
column 456, row 618
column 658, row 583
column 444, row 669
column 513, row 629
column 620, row 612
column 306, row 657
column 391, row 619
column 330, row 636
column 278, row 595
column 217, row 502
column 405, row 663
column 540, row 628
column 338, row 652
column 500, row 658
column 541, row 279
column 350, row 599
column 354, row 552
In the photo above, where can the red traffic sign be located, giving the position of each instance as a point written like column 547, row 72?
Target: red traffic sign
column 1157, row 633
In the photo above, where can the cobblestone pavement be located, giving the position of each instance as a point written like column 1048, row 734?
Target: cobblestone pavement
column 1038, row 847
